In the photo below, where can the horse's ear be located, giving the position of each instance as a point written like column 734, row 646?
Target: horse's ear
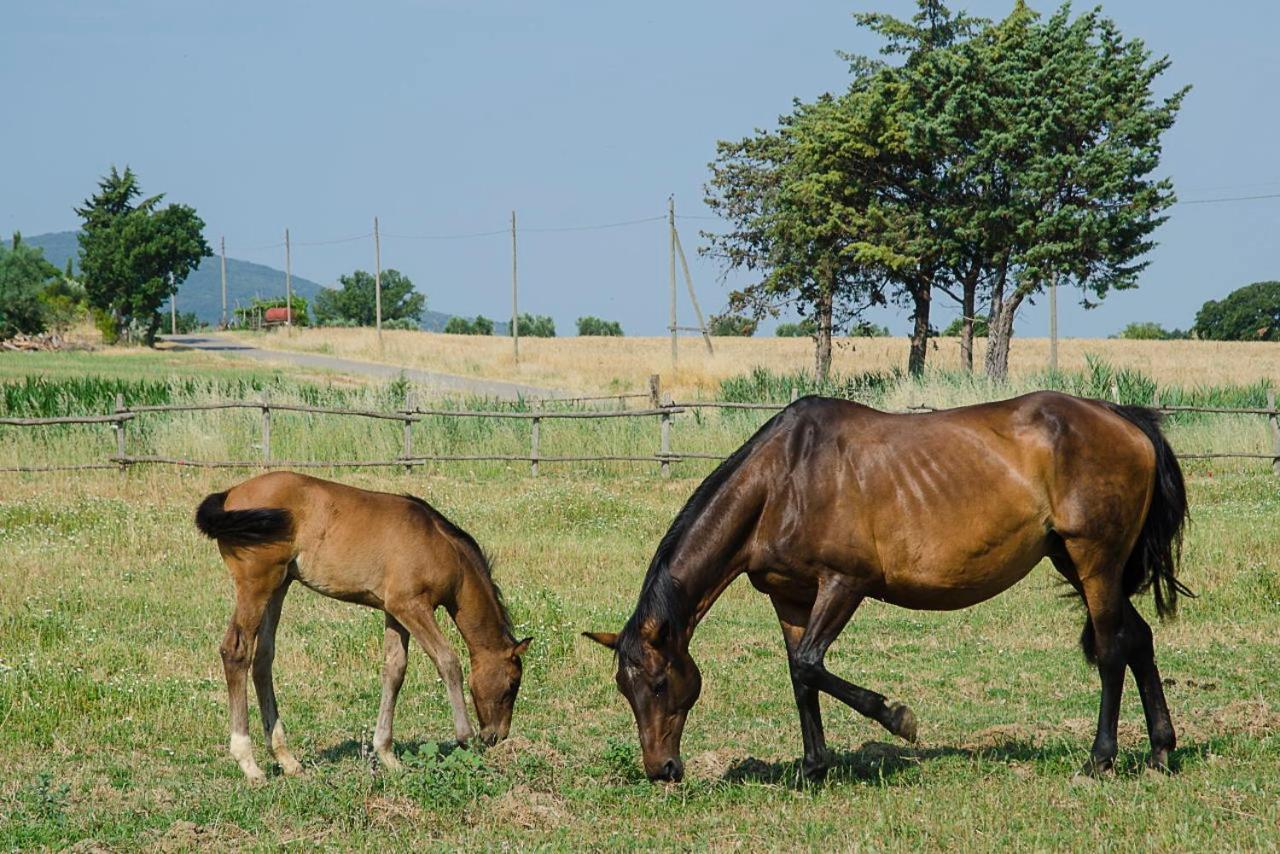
column 523, row 646
column 609, row 639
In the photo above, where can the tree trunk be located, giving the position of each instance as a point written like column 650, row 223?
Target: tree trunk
column 153, row 326
column 999, row 333
column 967, row 309
column 921, row 295
column 822, row 362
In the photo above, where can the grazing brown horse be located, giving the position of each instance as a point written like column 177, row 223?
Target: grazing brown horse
column 831, row 502
column 390, row 552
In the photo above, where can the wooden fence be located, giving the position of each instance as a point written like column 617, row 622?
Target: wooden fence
column 660, row 409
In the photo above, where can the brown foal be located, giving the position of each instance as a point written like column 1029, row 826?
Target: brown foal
column 390, row 552
column 832, row 502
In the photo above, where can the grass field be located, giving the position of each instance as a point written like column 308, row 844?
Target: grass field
column 613, row 365
column 113, row 708
column 112, row 701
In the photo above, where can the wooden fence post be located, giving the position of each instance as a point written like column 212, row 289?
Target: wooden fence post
column 1275, row 431
column 266, row 429
column 535, row 437
column 120, row 448
column 1115, row 390
column 795, row 393
column 655, row 391
column 409, row 405
column 664, row 446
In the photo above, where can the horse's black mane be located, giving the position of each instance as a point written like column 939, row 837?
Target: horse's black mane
column 661, row 598
column 478, row 554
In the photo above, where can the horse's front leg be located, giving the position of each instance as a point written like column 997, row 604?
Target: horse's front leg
column 794, row 618
column 838, row 597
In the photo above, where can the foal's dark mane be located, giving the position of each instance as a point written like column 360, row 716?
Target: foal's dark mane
column 478, row 556
column 661, row 598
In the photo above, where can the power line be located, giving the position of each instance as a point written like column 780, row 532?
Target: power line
column 1229, row 199
column 466, row 236
column 351, row 239
column 596, row 227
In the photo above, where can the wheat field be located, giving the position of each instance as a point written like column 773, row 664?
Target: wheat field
column 621, row 365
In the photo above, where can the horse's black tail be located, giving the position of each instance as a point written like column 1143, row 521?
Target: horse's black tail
column 1154, row 560
column 242, row 527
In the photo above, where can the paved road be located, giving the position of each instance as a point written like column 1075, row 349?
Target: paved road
column 442, row 382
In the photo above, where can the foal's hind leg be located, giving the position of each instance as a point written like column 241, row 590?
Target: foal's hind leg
column 794, row 619
column 395, row 660
column 836, row 602
column 264, row 685
column 254, row 587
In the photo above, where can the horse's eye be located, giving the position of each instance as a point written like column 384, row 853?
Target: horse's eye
column 660, row 687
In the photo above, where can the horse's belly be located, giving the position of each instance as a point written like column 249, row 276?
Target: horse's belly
column 950, row 585
column 336, row 585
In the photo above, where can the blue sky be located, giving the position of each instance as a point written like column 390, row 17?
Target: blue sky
column 442, row 117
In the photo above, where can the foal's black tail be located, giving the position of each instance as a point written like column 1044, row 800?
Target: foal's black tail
column 242, row 527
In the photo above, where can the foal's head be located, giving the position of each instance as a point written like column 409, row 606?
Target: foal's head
column 495, row 681
column 661, row 682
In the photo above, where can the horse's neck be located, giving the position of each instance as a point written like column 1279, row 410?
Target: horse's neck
column 702, row 581
column 477, row 614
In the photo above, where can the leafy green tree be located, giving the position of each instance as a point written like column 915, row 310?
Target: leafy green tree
column 537, row 326
column 732, row 325
column 1251, row 313
column 594, row 326
column 24, row 277
column 133, row 256
column 250, row 315
column 461, row 326
column 977, row 327
column 867, row 329
column 355, row 300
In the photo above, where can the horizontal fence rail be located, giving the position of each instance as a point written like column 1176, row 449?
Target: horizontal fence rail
column 660, row 408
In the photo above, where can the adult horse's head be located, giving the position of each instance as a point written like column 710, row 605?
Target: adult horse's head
column 661, row 683
column 495, row 681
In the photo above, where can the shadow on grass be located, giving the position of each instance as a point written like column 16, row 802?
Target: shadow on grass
column 353, row 748
column 892, row 764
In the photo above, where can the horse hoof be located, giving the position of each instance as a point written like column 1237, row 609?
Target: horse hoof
column 1094, row 770
column 1158, row 765
column 256, row 777
column 902, row 722
column 291, row 768
column 813, row 773
column 389, row 762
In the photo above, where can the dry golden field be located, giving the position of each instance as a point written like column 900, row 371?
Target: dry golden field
column 616, row 365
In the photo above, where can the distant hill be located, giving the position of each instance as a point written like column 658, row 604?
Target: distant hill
column 202, row 291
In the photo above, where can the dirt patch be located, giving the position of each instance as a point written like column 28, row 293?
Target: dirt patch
column 524, row 807
column 187, row 835
column 509, row 752
column 388, row 812
column 1002, row 734
column 709, row 764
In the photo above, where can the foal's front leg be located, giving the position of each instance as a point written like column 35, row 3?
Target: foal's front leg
column 419, row 617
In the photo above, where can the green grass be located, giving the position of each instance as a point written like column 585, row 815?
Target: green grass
column 113, row 722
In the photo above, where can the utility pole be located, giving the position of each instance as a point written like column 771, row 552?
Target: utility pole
column 377, row 280
column 671, row 220
column 1053, row 323
column 515, row 315
column 224, row 282
column 288, row 282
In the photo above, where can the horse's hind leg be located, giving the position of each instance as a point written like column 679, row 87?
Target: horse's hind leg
column 254, row 586
column 1097, row 572
column 1142, row 661
column 264, row 684
column 395, row 660
column 794, row 619
column 837, row 600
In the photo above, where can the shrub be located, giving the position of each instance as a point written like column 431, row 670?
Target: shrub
column 461, row 326
column 732, row 325
column 955, row 327
column 1149, row 331
column 536, row 326
column 803, row 329
column 595, row 326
